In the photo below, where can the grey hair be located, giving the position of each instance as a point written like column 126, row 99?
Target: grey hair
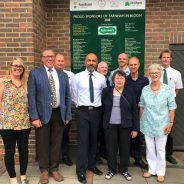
column 155, row 66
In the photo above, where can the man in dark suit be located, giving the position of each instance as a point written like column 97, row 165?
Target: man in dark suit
column 50, row 109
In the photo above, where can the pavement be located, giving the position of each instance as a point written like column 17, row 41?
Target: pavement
column 174, row 174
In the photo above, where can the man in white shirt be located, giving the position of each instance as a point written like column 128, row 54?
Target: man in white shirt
column 101, row 149
column 64, row 155
column 122, row 62
column 86, row 93
column 172, row 77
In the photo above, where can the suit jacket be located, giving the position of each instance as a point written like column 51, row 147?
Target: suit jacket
column 39, row 95
column 128, row 107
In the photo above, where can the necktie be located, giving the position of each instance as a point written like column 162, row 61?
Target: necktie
column 53, row 88
column 91, row 90
column 165, row 77
column 107, row 81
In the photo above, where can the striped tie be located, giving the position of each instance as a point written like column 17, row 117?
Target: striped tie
column 53, row 88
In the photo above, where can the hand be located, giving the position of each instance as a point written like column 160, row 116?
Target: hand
column 37, row 123
column 168, row 128
column 66, row 122
column 134, row 134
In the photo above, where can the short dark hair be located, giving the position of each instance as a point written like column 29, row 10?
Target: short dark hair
column 165, row 51
column 120, row 73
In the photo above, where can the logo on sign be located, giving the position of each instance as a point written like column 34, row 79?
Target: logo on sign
column 133, row 3
column 107, row 30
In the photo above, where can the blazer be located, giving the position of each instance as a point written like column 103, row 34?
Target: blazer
column 39, row 95
column 128, row 107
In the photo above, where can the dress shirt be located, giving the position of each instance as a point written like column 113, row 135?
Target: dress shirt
column 56, row 81
column 156, row 115
column 137, row 85
column 80, row 88
column 70, row 76
column 173, row 78
column 127, row 72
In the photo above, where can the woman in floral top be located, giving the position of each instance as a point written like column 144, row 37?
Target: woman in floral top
column 157, row 108
column 14, row 119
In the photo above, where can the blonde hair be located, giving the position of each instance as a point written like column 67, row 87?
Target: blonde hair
column 23, row 76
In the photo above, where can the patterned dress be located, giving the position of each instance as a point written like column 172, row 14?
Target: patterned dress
column 14, row 111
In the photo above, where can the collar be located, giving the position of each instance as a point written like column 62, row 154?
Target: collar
column 165, row 68
column 87, row 72
column 130, row 77
column 47, row 69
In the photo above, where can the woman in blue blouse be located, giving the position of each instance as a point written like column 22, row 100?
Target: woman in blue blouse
column 157, row 109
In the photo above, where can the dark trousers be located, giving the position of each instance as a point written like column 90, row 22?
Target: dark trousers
column 169, row 145
column 65, row 142
column 136, row 147
column 101, row 145
column 118, row 137
column 10, row 138
column 49, row 138
column 87, row 131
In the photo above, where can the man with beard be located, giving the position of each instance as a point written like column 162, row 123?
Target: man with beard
column 86, row 93
column 136, row 82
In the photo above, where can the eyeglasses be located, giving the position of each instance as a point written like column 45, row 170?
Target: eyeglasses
column 48, row 57
column 18, row 66
column 154, row 73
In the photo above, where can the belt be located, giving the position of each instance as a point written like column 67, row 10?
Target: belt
column 55, row 109
column 88, row 107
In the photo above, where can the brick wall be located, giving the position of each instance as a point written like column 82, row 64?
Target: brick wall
column 58, row 27
column 16, row 30
column 29, row 26
column 164, row 26
column 39, row 30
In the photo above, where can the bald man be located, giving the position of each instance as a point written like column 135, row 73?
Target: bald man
column 64, row 155
column 86, row 93
column 136, row 82
column 122, row 62
column 103, row 69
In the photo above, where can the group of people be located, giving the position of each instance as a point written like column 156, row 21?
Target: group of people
column 112, row 115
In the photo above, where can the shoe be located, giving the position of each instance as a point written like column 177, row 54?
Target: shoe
column 99, row 160
column 44, row 177
column 109, row 174
column 25, row 181
column 57, row 176
column 81, row 178
column 127, row 176
column 16, row 182
column 160, row 179
column 141, row 164
column 171, row 159
column 96, row 171
column 147, row 175
column 67, row 161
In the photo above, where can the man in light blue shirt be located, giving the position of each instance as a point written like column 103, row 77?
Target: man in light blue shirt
column 122, row 62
